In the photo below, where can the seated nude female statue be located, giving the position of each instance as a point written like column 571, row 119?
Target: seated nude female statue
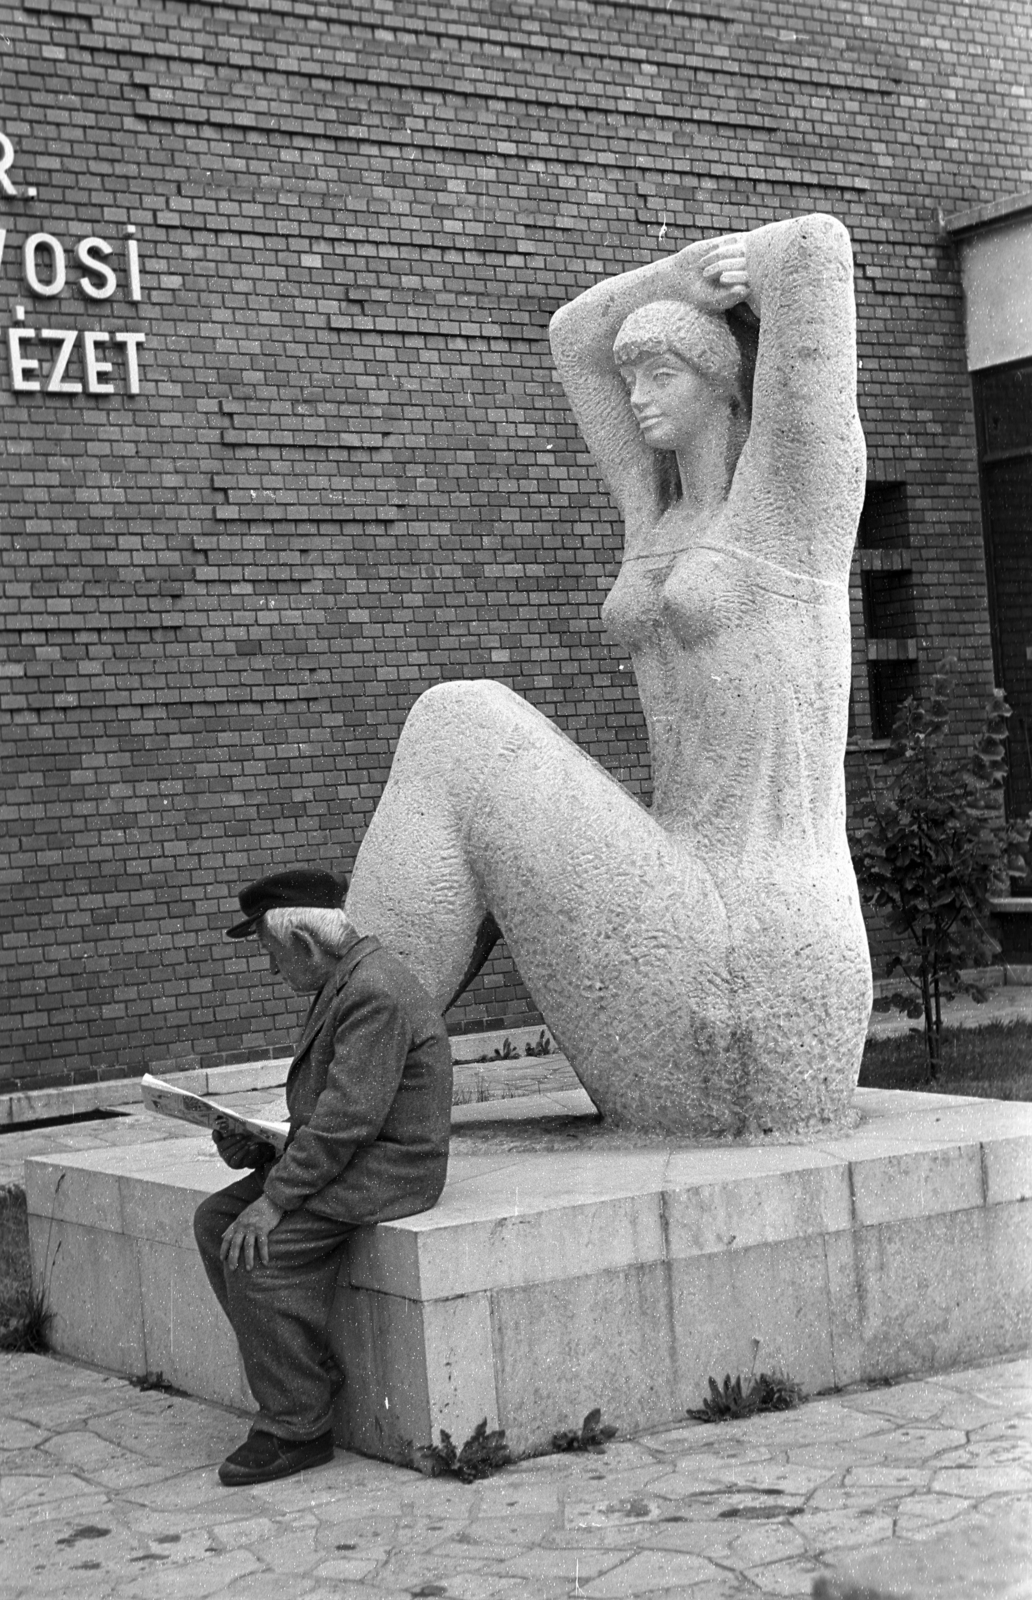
column 702, row 963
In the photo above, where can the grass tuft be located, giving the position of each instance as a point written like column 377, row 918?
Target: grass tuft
column 990, row 1062
column 24, row 1317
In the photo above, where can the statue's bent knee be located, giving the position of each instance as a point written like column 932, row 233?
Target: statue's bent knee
column 454, row 712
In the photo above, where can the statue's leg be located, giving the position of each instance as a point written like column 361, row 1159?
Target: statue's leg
column 616, row 927
column 414, row 884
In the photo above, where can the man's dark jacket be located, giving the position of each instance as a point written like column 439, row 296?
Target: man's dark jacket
column 369, row 1096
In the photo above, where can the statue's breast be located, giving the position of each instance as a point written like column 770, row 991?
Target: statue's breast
column 704, row 595
column 633, row 610
column 688, row 594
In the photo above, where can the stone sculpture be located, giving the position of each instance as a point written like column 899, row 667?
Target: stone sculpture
column 703, row 964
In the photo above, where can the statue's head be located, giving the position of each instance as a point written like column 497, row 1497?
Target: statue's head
column 685, row 372
column 700, row 340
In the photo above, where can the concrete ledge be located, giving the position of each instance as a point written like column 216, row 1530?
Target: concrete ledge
column 545, row 1283
column 72, row 1100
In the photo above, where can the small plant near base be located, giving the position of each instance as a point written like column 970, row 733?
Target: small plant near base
column 482, row 1454
column 541, row 1046
column 594, row 1435
column 25, row 1329
column 771, row 1391
column 508, row 1052
column 25, row 1317
column 156, row 1380
column 931, row 847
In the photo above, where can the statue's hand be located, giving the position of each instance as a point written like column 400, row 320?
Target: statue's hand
column 717, row 272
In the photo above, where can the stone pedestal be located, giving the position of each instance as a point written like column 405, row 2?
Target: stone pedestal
column 543, row 1285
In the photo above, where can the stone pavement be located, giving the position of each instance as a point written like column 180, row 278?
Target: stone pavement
column 924, row 1489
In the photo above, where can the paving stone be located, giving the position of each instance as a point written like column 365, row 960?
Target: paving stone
column 789, row 1578
column 649, row 1571
column 765, row 1543
column 826, row 1530
column 18, row 1435
column 975, row 1481
column 915, row 1443
column 984, row 1558
column 576, row 1564
column 930, row 1510
column 207, row 1577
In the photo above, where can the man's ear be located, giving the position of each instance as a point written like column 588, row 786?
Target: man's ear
column 306, row 944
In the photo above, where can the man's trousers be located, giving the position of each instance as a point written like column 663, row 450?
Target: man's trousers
column 279, row 1312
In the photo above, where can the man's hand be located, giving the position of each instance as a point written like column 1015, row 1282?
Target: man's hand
column 240, row 1150
column 251, row 1228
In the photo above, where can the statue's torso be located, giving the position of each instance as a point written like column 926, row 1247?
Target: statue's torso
column 743, row 669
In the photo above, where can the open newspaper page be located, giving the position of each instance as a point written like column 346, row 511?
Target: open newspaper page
column 168, row 1101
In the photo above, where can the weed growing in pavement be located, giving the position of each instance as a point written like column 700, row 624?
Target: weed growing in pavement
column 27, row 1329
column 594, row 1435
column 156, row 1380
column 771, row 1391
column 541, row 1046
column 482, row 1454
column 25, row 1317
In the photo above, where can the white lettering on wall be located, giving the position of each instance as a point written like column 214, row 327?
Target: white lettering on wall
column 86, row 252
column 78, row 363
column 22, row 365
column 33, row 245
column 132, row 342
column 132, row 253
column 72, row 361
column 57, row 382
column 6, row 163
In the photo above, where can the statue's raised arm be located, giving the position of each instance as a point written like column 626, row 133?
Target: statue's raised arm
column 791, row 285
column 805, row 456
column 583, row 335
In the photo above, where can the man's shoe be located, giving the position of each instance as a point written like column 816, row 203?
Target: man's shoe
column 262, row 1457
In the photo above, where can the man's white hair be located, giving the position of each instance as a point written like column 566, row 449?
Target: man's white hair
column 330, row 930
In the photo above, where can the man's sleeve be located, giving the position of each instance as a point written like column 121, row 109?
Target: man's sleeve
column 371, row 1041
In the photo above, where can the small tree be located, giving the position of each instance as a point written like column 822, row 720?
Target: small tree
column 931, row 845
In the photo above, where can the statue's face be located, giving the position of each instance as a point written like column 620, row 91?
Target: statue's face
column 669, row 399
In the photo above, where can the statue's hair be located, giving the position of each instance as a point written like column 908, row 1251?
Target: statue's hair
column 700, row 338
column 330, row 930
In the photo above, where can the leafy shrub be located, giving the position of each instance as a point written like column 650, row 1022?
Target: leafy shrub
column 931, row 846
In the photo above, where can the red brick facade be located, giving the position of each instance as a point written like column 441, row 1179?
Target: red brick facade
column 349, row 471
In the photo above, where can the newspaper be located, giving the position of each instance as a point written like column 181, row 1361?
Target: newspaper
column 169, row 1101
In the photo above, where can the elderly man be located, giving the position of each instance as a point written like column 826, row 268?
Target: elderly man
column 369, row 1097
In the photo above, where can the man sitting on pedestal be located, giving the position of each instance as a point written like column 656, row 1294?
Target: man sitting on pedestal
column 369, row 1097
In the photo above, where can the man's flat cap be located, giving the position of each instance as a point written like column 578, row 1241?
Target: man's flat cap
column 300, row 886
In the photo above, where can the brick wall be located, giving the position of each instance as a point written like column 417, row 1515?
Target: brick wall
column 349, row 472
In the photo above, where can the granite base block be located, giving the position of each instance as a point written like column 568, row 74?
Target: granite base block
column 545, row 1283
